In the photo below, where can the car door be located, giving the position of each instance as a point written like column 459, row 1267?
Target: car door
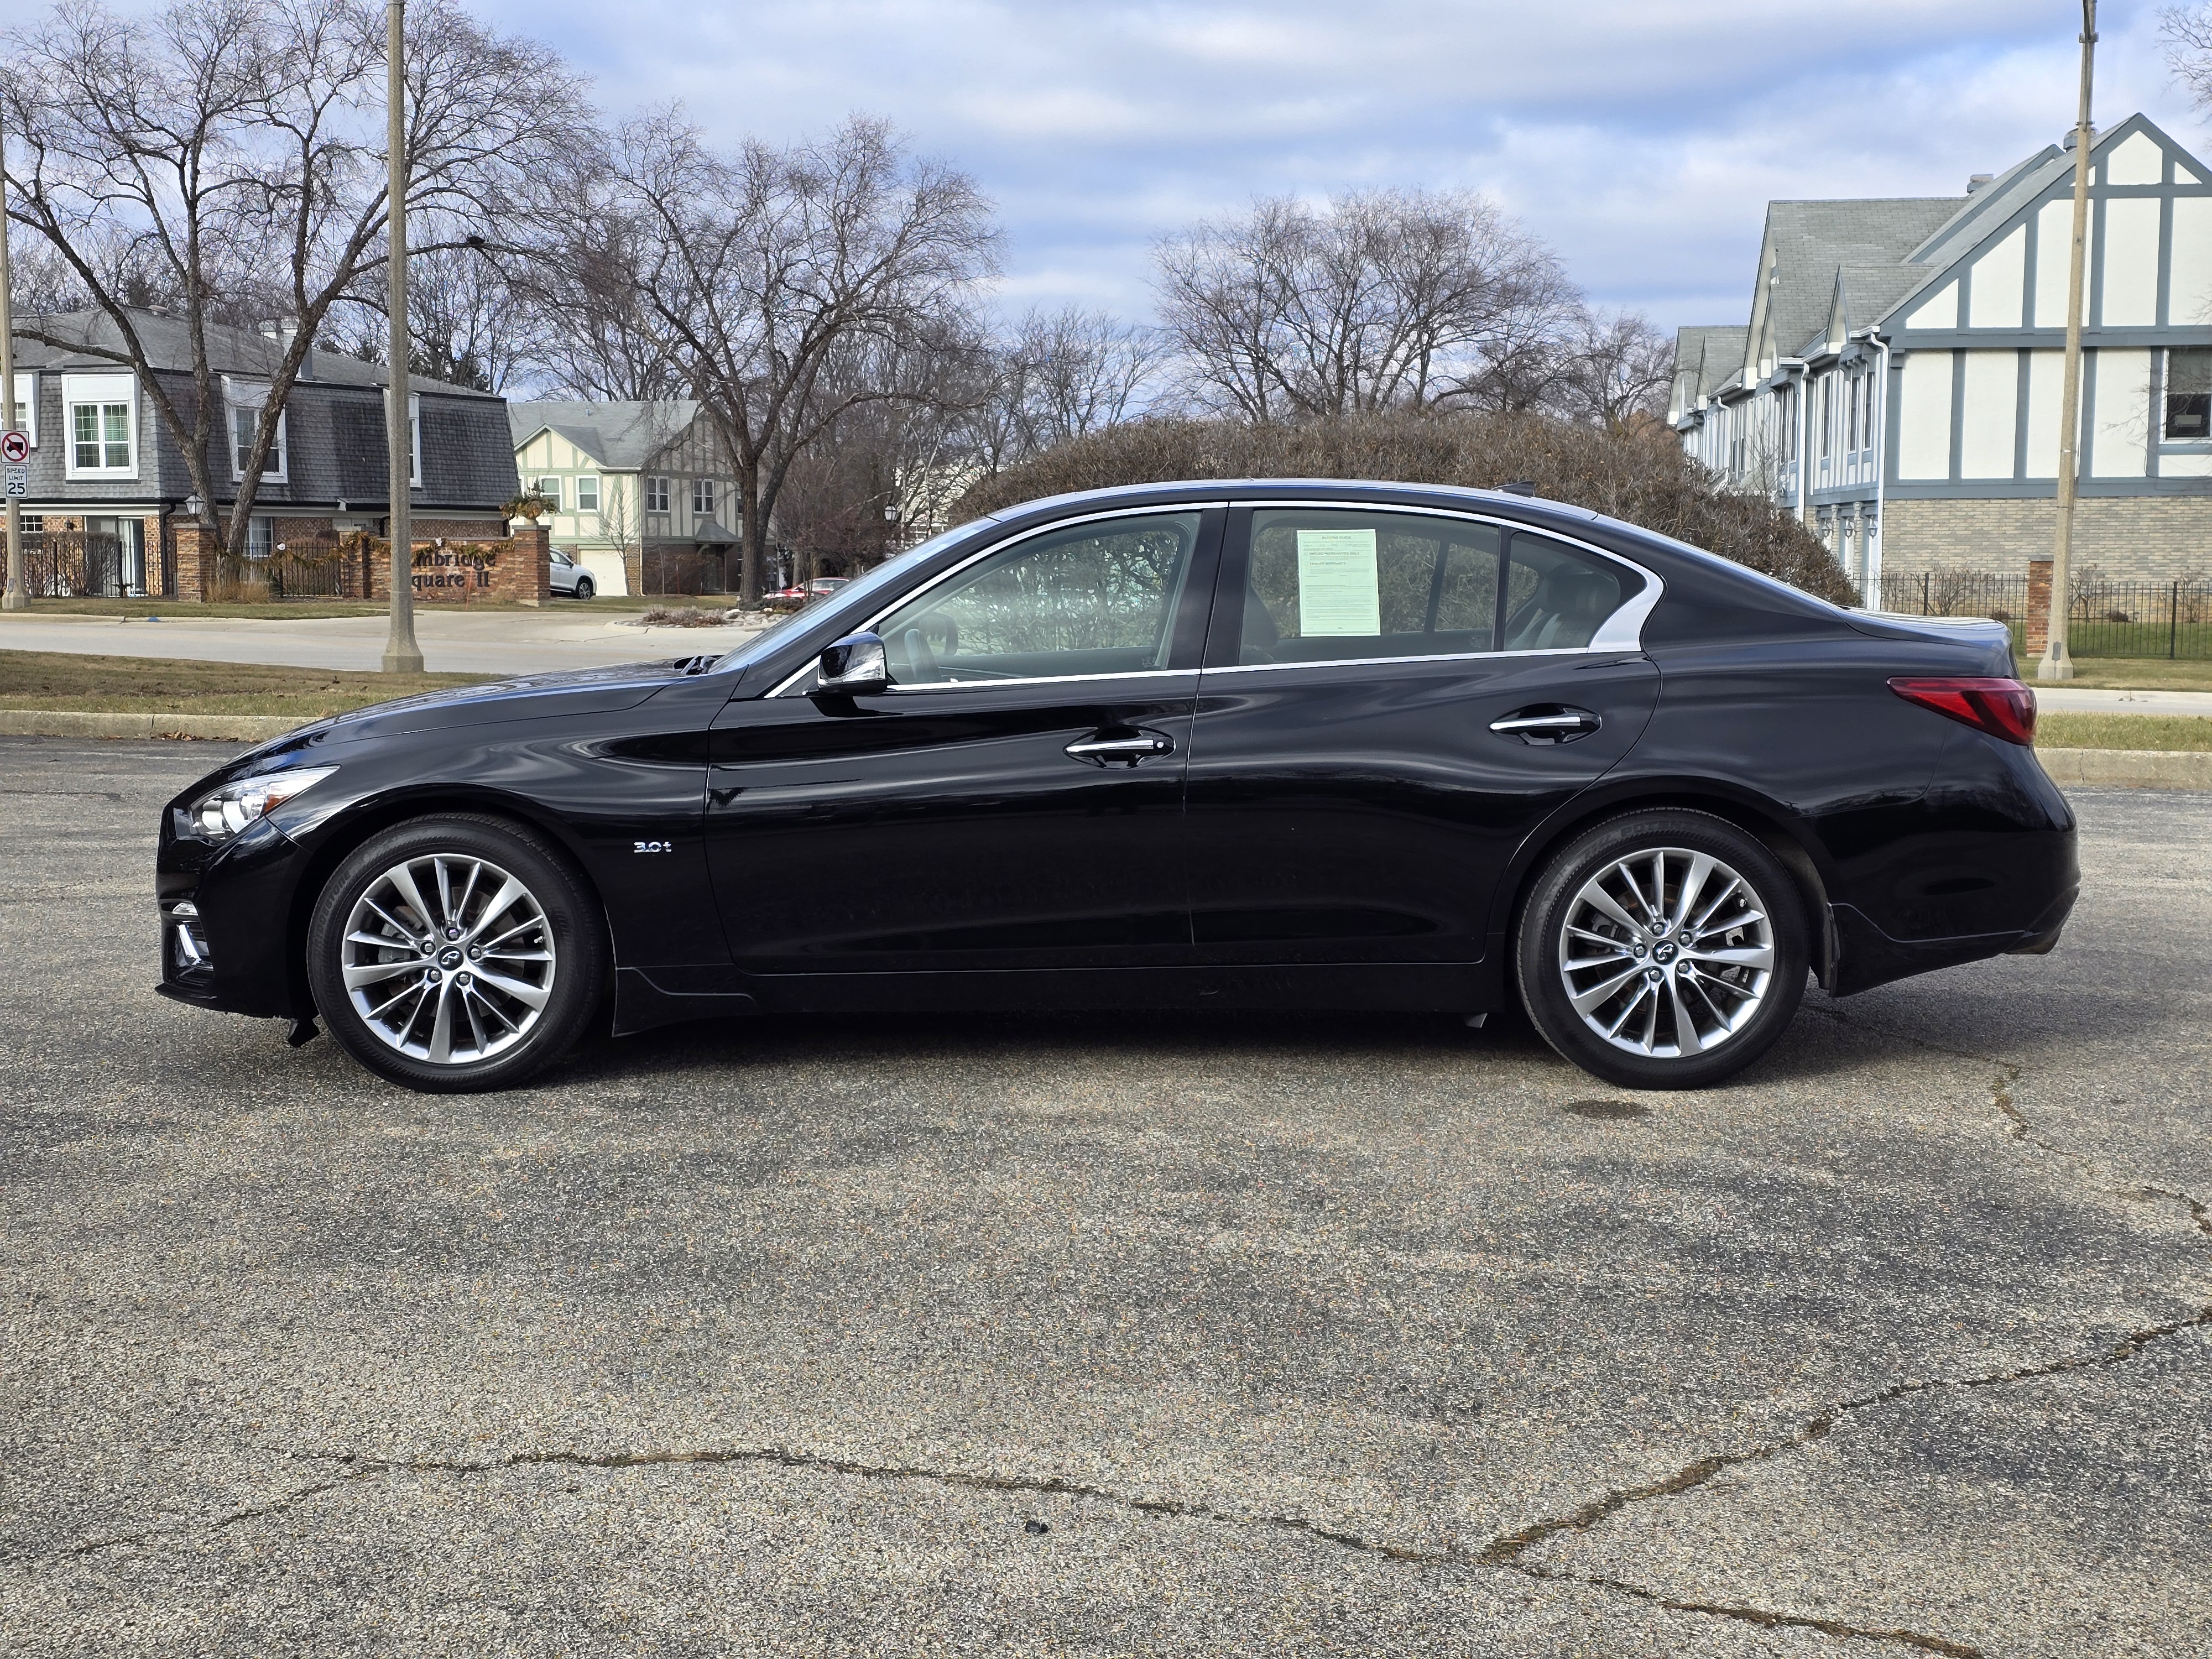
column 1013, row 799
column 1391, row 700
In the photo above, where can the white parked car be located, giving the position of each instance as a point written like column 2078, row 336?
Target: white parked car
column 570, row 577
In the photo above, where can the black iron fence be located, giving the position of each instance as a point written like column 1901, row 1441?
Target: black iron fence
column 91, row 564
column 304, row 568
column 2103, row 619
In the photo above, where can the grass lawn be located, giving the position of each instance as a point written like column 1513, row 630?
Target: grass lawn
column 2168, row 731
column 152, row 685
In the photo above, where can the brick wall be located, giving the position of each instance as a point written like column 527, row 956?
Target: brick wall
column 2124, row 538
column 454, row 570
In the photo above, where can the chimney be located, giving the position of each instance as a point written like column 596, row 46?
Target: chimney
column 1975, row 181
column 283, row 330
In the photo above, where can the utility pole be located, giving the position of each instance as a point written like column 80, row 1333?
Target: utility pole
column 13, row 597
column 401, row 654
column 2057, row 662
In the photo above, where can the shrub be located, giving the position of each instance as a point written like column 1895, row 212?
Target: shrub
column 1638, row 473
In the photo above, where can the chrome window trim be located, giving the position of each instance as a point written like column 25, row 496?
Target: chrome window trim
column 1042, row 679
column 1432, row 656
column 1622, row 631
column 982, row 553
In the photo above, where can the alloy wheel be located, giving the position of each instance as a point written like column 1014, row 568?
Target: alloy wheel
column 448, row 959
column 1666, row 953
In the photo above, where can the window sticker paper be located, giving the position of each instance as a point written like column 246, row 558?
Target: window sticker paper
column 1338, row 592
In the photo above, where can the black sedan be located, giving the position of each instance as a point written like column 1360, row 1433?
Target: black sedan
column 1279, row 744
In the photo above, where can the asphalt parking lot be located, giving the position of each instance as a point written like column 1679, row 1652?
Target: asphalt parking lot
column 1138, row 1335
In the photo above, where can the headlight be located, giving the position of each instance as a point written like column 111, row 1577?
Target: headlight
column 222, row 815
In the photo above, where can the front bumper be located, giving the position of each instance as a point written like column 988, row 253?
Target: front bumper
column 227, row 921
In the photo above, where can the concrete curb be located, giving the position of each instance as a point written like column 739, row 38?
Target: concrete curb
column 2104, row 768
column 70, row 723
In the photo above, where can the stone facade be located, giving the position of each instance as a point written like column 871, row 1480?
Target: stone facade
column 448, row 569
column 2148, row 539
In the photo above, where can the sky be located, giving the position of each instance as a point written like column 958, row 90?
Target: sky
column 1641, row 138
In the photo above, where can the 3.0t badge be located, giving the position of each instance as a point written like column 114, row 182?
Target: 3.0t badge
column 653, row 846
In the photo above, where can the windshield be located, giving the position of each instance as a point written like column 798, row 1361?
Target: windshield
column 855, row 595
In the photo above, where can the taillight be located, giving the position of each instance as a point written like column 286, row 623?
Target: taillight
column 2003, row 709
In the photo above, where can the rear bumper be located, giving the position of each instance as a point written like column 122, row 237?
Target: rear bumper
column 1866, row 956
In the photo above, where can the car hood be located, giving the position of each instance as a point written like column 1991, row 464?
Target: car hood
column 531, row 696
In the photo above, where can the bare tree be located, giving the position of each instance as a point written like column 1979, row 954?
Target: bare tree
column 1621, row 369
column 1384, row 299
column 761, row 271
column 226, row 155
column 1080, row 370
column 2187, row 32
column 467, row 327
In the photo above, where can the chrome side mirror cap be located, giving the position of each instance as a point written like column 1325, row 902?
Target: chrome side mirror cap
column 853, row 666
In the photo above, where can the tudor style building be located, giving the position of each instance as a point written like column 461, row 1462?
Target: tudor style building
column 1898, row 383
column 621, row 479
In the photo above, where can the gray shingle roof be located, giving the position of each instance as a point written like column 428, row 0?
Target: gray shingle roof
column 623, row 437
column 1812, row 240
column 169, row 344
column 1713, row 354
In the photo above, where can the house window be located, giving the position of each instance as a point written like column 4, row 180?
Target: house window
column 588, row 495
column 245, row 424
column 2189, row 394
column 656, row 494
column 703, row 498
column 25, row 418
column 550, row 489
column 259, row 542
column 35, row 524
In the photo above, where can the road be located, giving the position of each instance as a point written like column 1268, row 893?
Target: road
column 561, row 635
column 1150, row 1335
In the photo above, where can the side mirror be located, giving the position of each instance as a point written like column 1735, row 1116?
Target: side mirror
column 853, row 666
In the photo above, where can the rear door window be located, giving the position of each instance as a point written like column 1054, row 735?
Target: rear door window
column 1326, row 585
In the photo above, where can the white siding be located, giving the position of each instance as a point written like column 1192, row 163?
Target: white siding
column 2137, row 161
column 2131, row 262
column 1923, row 417
column 1939, row 310
column 1997, row 277
column 1990, row 417
column 2054, row 246
column 2189, row 301
column 2184, row 466
column 2046, row 385
column 2122, row 414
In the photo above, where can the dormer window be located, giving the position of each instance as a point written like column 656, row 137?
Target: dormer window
column 245, row 401
column 101, row 411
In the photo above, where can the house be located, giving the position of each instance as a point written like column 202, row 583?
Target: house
column 1898, row 382
column 105, row 470
column 641, row 493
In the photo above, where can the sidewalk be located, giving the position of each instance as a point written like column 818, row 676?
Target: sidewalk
column 486, row 642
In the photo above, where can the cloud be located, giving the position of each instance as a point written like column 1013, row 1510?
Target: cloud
column 1642, row 137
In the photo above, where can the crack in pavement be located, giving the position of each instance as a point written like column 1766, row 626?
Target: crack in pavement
column 1507, row 1552
column 361, row 1468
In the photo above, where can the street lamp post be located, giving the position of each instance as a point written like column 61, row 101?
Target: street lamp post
column 2057, row 662
column 401, row 654
column 12, row 597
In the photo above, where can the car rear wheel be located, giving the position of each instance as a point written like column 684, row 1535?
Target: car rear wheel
column 1662, row 949
column 584, row 588
column 456, row 953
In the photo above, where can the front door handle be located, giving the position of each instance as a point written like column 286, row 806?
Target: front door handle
column 1547, row 723
column 1123, row 748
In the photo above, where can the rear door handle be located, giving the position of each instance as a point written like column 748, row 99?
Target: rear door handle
column 1126, row 748
column 1551, row 723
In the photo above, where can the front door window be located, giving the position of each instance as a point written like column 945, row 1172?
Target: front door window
column 1095, row 599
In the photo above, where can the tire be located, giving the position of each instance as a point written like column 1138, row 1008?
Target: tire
column 584, row 590
column 1631, row 1026
column 507, row 895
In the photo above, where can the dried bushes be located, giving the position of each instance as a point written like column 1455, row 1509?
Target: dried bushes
column 1638, row 473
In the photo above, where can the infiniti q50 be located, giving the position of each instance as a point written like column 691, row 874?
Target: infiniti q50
column 1263, row 743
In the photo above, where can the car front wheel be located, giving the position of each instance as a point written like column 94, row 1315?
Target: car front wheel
column 1662, row 949
column 457, row 953
column 584, row 589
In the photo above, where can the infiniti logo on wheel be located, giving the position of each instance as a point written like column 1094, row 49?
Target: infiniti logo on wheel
column 449, row 957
